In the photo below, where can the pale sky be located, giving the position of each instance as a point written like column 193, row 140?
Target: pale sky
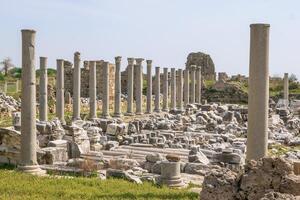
column 162, row 30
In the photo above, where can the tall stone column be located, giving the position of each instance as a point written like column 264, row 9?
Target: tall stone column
column 17, row 85
column 139, row 88
column 105, row 95
column 173, row 89
column 117, row 106
column 76, row 86
column 93, row 89
column 165, row 90
column 258, row 98
column 192, row 71
column 149, row 86
column 286, row 87
column 130, row 87
column 180, row 90
column 28, row 160
column 5, row 87
column 157, row 90
column 186, row 87
column 198, row 85
column 43, row 100
column 60, row 89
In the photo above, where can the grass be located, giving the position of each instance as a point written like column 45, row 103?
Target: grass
column 281, row 150
column 15, row 185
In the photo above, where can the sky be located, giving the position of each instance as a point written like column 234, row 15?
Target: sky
column 165, row 31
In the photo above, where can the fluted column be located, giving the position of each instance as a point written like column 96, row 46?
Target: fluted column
column 286, row 87
column 117, row 106
column 192, row 72
column 130, row 86
column 60, row 89
column 105, row 95
column 157, row 90
column 186, row 87
column 92, row 89
column 43, row 99
column 198, row 85
column 173, row 89
column 180, row 90
column 139, row 88
column 76, row 86
column 165, row 90
column 258, row 98
column 149, row 86
column 28, row 159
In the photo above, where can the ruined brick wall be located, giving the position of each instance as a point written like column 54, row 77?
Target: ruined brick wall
column 85, row 79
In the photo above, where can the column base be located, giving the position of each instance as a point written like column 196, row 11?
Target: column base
column 32, row 169
column 138, row 113
column 117, row 115
column 148, row 112
column 129, row 114
column 105, row 116
column 157, row 110
column 165, row 110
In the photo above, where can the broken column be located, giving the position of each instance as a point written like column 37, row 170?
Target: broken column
column 117, row 106
column 165, row 90
column 105, row 94
column 286, row 87
column 43, row 99
column 60, row 99
column 180, row 90
column 258, row 98
column 192, row 71
column 198, row 85
column 139, row 88
column 28, row 159
column 186, row 87
column 76, row 86
column 157, row 90
column 170, row 172
column 149, row 86
column 92, row 90
column 173, row 89
column 130, row 86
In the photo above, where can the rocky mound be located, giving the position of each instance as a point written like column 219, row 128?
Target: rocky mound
column 267, row 178
column 8, row 104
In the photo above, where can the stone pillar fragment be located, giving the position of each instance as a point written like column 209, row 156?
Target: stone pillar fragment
column 76, row 86
column 130, row 86
column 43, row 99
column 157, row 90
column 28, row 159
column 165, row 90
column 186, row 87
column 139, row 84
column 180, row 90
column 192, row 89
column 258, row 98
column 286, row 87
column 105, row 95
column 117, row 106
column 92, row 89
column 60, row 99
column 173, row 89
column 198, row 85
column 149, row 86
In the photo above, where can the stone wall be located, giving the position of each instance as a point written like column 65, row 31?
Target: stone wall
column 85, row 79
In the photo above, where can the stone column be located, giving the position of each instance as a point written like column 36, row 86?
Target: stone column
column 17, row 86
column 130, row 87
column 165, row 90
column 258, row 98
column 198, row 85
column 149, row 86
column 180, row 90
column 105, row 95
column 139, row 88
column 186, row 87
column 43, row 100
column 157, row 90
column 92, row 89
column 192, row 71
column 28, row 159
column 173, row 89
column 76, row 87
column 5, row 87
column 286, row 87
column 117, row 106
column 60, row 89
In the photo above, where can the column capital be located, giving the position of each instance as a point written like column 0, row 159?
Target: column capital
column 149, row 62
column 260, row 25
column 192, row 67
column 286, row 74
column 28, row 31
column 139, row 61
column 130, row 61
column 77, row 56
column 118, row 59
